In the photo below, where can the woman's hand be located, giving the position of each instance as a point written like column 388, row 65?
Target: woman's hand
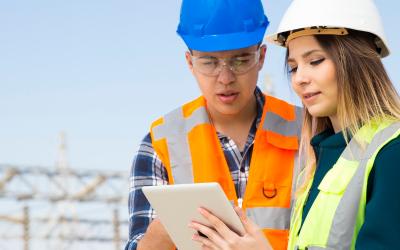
column 220, row 237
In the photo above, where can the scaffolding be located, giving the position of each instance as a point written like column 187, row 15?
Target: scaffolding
column 62, row 208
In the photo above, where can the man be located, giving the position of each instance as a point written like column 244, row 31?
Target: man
column 232, row 134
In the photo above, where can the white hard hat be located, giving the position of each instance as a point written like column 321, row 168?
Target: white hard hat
column 333, row 17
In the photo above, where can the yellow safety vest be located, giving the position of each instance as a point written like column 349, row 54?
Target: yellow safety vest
column 337, row 213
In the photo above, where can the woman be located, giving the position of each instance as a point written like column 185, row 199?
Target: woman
column 347, row 195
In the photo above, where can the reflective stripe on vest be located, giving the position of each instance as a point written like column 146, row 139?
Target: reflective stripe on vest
column 175, row 129
column 281, row 126
column 345, row 218
column 270, row 217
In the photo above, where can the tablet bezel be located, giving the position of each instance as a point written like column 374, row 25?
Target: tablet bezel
column 177, row 205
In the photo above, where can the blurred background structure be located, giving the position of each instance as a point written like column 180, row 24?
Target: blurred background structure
column 61, row 208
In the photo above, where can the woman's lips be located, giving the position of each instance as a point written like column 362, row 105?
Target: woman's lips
column 311, row 96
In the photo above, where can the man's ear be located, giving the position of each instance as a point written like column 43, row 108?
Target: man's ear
column 189, row 61
column 263, row 52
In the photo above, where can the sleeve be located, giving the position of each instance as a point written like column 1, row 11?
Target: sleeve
column 147, row 170
column 382, row 218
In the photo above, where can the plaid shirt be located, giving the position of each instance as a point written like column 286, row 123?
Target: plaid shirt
column 148, row 170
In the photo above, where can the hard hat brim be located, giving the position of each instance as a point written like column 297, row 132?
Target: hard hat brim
column 222, row 42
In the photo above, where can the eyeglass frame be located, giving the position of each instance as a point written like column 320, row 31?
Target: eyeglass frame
column 224, row 62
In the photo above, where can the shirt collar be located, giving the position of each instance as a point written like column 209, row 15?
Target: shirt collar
column 328, row 139
column 260, row 100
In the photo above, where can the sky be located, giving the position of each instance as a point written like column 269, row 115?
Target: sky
column 102, row 71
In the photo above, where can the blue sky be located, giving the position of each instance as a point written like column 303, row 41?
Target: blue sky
column 102, row 71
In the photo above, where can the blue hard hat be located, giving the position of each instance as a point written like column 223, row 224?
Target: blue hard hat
column 217, row 25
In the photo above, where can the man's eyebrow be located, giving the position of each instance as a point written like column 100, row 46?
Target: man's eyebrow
column 244, row 54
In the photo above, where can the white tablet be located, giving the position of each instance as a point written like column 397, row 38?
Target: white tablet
column 176, row 206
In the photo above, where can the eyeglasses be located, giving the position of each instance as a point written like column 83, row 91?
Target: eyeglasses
column 212, row 66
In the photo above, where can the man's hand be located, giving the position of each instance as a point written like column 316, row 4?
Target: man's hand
column 156, row 237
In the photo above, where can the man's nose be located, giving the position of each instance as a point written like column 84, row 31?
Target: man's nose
column 226, row 75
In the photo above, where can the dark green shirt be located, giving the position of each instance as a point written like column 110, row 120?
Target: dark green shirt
column 381, row 229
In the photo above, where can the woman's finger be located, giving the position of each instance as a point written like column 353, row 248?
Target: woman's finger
column 206, row 244
column 204, row 247
column 212, row 239
column 218, row 225
column 248, row 225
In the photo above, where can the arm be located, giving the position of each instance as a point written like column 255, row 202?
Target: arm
column 221, row 237
column 382, row 218
column 147, row 169
column 156, row 237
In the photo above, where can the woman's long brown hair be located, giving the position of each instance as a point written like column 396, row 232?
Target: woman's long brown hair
column 365, row 91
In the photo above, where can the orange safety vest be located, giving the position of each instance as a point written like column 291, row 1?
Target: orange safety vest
column 188, row 145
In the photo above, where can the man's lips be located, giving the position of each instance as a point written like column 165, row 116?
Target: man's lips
column 228, row 94
column 227, row 97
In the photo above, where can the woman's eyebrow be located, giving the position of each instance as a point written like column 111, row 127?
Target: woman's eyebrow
column 305, row 54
